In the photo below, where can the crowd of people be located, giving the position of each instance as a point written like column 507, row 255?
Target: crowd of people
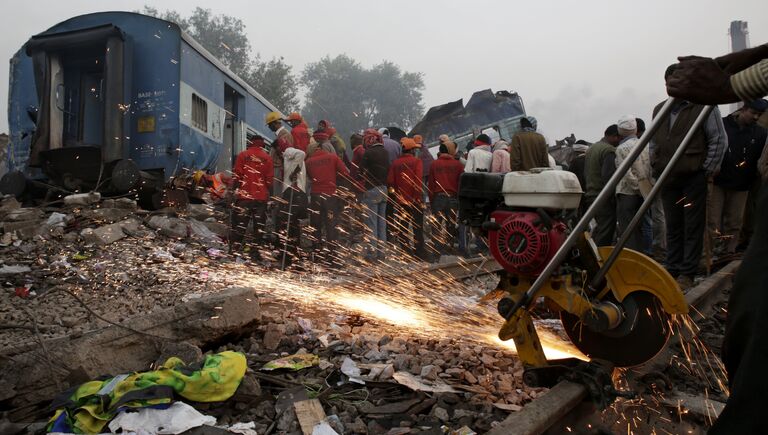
column 387, row 196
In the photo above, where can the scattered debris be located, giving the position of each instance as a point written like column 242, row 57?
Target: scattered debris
column 115, row 291
column 310, row 415
column 82, row 198
column 292, row 362
column 421, row 384
column 8, row 269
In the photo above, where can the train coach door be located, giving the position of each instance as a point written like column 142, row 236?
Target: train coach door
column 81, row 82
column 91, row 119
column 233, row 129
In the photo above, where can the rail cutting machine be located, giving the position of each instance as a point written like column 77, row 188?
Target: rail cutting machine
column 614, row 303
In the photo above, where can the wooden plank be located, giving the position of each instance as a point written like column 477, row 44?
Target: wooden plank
column 309, row 413
column 539, row 415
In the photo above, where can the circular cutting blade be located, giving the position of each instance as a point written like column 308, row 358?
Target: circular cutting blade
column 640, row 336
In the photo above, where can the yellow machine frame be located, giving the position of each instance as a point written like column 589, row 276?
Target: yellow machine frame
column 632, row 272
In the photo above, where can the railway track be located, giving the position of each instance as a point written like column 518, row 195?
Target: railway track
column 456, row 270
column 547, row 413
column 462, row 269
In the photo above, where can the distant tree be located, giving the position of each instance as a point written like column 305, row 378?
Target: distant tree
column 225, row 37
column 393, row 97
column 335, row 92
column 353, row 98
column 276, row 83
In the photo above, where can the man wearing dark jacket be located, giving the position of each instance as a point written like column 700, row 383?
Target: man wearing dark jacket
column 738, row 171
column 374, row 167
column 599, row 166
column 684, row 194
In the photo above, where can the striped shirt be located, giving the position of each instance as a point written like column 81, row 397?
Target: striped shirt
column 752, row 82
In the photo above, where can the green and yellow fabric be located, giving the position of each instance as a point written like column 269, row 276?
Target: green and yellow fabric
column 89, row 407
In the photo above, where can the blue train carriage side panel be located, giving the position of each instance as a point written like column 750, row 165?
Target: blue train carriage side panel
column 219, row 111
column 154, row 109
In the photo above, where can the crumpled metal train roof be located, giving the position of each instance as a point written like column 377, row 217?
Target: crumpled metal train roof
column 483, row 108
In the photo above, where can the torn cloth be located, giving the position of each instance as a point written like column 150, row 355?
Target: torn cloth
column 90, row 406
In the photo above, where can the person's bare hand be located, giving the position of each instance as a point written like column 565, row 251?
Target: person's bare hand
column 741, row 60
column 701, row 80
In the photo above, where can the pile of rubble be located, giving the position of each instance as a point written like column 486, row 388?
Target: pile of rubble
column 377, row 382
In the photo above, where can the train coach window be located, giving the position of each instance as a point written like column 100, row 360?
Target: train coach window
column 199, row 113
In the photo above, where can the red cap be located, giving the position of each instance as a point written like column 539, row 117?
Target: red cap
column 294, row 116
column 256, row 141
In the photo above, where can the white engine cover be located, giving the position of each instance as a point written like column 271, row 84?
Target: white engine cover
column 542, row 188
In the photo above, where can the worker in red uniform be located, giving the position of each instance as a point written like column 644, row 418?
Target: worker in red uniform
column 253, row 175
column 322, row 168
column 405, row 186
column 299, row 131
column 443, row 188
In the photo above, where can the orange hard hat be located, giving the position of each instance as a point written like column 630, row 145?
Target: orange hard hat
column 418, row 139
column 409, row 144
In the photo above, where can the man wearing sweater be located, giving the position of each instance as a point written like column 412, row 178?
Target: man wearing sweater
column 480, row 157
column 528, row 148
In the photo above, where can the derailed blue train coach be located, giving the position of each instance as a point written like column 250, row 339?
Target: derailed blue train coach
column 114, row 99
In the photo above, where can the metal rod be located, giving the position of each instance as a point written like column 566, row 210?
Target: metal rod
column 287, row 228
column 651, row 196
column 608, row 191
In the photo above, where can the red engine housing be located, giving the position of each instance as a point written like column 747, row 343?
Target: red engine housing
column 523, row 244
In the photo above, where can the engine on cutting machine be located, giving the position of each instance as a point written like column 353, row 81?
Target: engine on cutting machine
column 524, row 213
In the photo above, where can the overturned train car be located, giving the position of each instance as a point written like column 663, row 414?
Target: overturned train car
column 115, row 100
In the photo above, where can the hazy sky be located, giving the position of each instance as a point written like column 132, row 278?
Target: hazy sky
column 578, row 65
